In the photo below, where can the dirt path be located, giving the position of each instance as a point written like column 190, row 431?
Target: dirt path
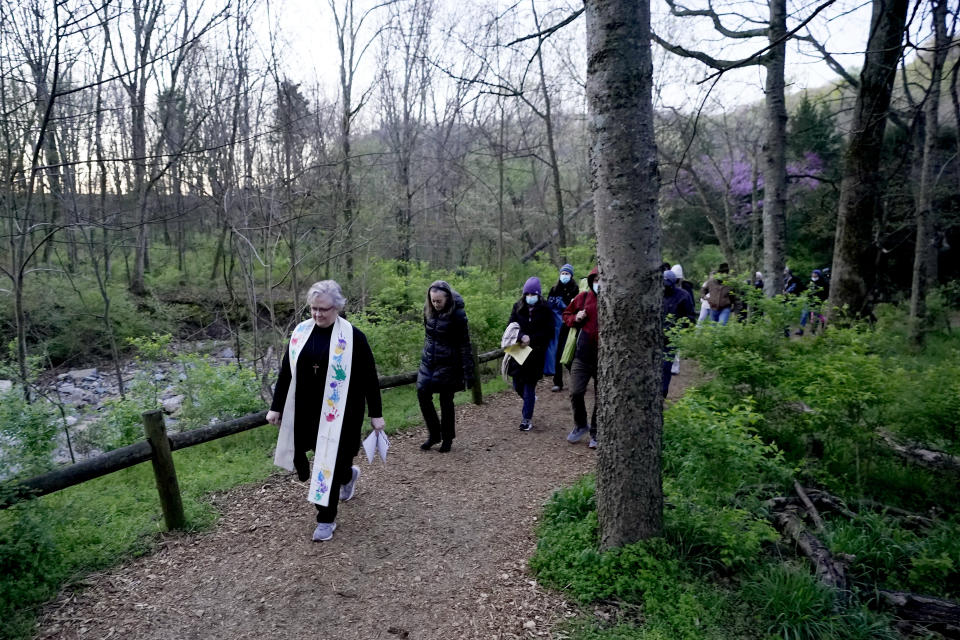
column 433, row 546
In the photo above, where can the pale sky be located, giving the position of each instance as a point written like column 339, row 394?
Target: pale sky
column 307, row 29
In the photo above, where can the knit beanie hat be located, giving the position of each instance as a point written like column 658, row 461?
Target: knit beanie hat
column 532, row 286
column 568, row 268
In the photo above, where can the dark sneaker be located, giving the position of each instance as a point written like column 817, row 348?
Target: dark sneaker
column 577, row 434
column 445, row 446
column 429, row 443
column 526, row 425
column 324, row 531
column 347, row 490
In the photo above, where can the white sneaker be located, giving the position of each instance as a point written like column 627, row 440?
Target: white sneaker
column 593, row 443
column 324, row 531
column 347, row 490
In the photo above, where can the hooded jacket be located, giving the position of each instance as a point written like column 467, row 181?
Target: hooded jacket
column 535, row 321
column 446, row 363
column 588, row 341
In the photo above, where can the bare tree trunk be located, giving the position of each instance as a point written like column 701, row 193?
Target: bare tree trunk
column 852, row 279
column 756, row 222
column 625, row 185
column 775, row 153
column 551, row 145
column 925, row 211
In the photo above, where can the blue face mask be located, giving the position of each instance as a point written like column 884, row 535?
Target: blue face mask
column 596, row 287
column 564, row 278
column 532, row 299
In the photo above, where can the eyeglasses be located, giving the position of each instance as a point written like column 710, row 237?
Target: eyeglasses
column 321, row 309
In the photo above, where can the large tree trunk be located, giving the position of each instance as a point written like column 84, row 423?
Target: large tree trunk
column 625, row 185
column 923, row 256
column 775, row 154
column 852, row 279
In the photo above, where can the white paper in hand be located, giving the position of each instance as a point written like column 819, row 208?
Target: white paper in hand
column 374, row 443
column 382, row 445
column 370, row 445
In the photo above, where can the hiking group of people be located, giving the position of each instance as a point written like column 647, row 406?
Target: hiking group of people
column 328, row 377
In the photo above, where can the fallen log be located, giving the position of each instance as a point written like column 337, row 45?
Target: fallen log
column 830, row 570
column 811, row 509
column 923, row 456
column 920, row 614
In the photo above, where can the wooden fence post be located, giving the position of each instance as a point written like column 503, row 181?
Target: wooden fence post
column 477, row 383
column 163, row 470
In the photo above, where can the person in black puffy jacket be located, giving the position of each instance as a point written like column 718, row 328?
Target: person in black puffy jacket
column 535, row 318
column 446, row 365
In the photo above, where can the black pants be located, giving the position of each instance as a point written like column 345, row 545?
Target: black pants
column 443, row 427
column 557, row 367
column 341, row 476
column 580, row 374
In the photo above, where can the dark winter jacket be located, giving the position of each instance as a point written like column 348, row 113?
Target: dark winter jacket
column 588, row 340
column 562, row 294
column 363, row 395
column 536, row 322
column 819, row 288
column 793, row 285
column 677, row 309
column 446, row 363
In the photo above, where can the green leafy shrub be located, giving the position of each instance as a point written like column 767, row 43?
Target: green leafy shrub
column 215, row 392
column 31, row 566
column 27, row 434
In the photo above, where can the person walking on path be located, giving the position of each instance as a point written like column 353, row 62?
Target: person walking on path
column 446, row 365
column 535, row 320
column 328, row 380
column 561, row 295
column 687, row 286
column 717, row 292
column 819, row 288
column 581, row 314
column 677, row 308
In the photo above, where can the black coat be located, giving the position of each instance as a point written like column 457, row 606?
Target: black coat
column 562, row 295
column 363, row 395
column 447, row 362
column 539, row 325
column 677, row 308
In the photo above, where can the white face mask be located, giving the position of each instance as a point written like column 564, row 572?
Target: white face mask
column 815, row 278
column 532, row 299
column 564, row 278
column 596, row 287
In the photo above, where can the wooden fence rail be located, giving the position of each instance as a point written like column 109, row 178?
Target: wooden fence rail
column 138, row 452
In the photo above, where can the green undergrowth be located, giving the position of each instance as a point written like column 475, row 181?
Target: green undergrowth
column 772, row 411
column 53, row 541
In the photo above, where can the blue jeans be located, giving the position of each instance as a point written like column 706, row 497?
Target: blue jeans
column 721, row 316
column 526, row 389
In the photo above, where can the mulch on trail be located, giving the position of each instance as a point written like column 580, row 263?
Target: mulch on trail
column 433, row 546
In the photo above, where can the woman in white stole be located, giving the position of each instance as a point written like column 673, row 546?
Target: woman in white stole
column 328, row 380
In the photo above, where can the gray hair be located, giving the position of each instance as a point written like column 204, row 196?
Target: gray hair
column 329, row 288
